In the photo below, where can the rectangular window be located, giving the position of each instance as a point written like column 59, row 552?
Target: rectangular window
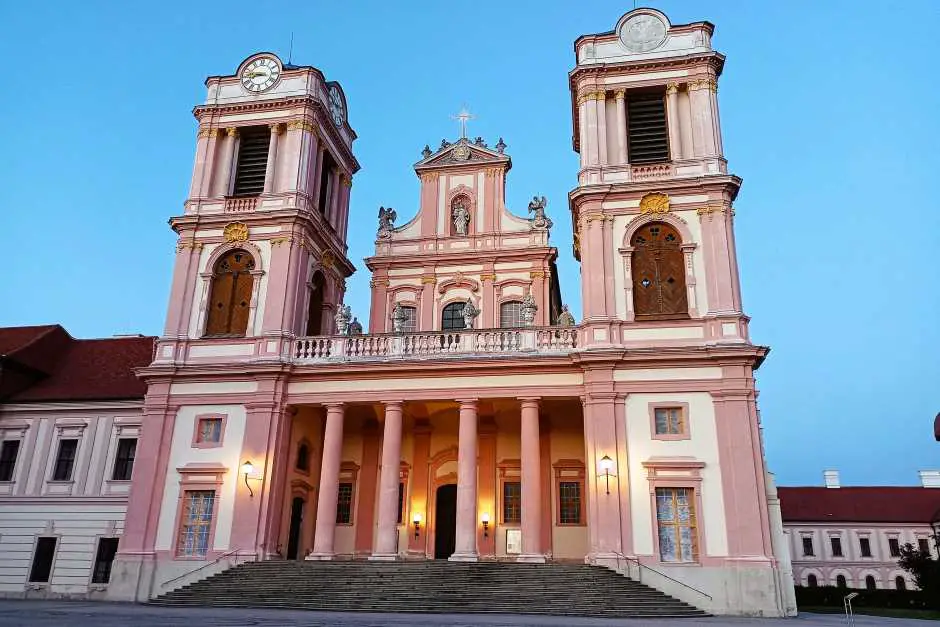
column 512, row 502
column 510, row 314
column 252, row 162
column 865, row 546
column 675, row 519
column 209, row 431
column 647, row 136
column 401, row 501
column 42, row 560
column 124, row 459
column 8, row 453
column 923, row 546
column 669, row 421
column 808, row 547
column 107, row 547
column 65, row 460
column 196, row 523
column 836, row 546
column 409, row 323
column 569, row 499
column 894, row 548
column 344, row 504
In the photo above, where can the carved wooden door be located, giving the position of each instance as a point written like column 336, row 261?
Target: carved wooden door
column 658, row 273
column 230, row 296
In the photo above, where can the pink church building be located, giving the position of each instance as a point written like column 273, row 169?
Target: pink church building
column 473, row 419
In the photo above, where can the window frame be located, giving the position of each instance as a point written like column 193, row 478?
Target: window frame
column 413, row 327
column 870, row 579
column 812, row 581
column 570, row 471
column 210, row 524
column 32, row 562
column 351, row 520
column 899, row 579
column 845, row 582
column 864, row 547
column 685, row 432
column 129, row 463
column 833, row 541
column 298, row 466
column 923, row 545
column 452, row 306
column 505, row 501
column 695, row 526
column 894, row 546
column 198, row 477
column 10, row 464
column 348, row 473
column 518, row 313
column 262, row 130
column 197, row 442
column 110, row 564
column 210, row 276
column 646, row 94
column 57, row 459
column 632, row 249
column 804, row 538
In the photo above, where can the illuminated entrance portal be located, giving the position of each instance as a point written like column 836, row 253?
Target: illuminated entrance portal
column 445, row 521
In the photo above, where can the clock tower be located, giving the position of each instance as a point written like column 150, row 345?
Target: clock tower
column 262, row 237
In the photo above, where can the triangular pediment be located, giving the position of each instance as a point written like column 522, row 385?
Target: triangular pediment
column 464, row 152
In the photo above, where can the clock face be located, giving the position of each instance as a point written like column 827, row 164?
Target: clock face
column 260, row 74
column 337, row 110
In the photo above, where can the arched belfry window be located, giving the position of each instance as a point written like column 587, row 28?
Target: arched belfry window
column 452, row 317
column 659, row 290
column 315, row 306
column 230, row 295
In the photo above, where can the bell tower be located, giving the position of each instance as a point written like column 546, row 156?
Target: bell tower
column 652, row 211
column 262, row 239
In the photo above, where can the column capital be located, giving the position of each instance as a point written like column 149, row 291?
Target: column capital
column 672, row 88
column 208, row 132
column 276, row 128
column 397, row 404
column 529, row 400
column 333, row 406
column 620, row 94
column 231, row 131
column 467, row 401
column 300, row 125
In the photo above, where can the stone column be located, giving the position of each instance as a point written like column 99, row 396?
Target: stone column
column 620, row 98
column 601, row 105
column 386, row 535
column 223, row 185
column 317, row 167
column 270, row 169
column 590, row 134
column 329, row 484
column 206, row 145
column 466, row 540
column 672, row 121
column 531, row 484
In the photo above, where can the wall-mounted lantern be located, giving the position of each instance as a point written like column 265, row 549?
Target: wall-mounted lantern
column 416, row 521
column 486, row 524
column 606, row 464
column 247, row 469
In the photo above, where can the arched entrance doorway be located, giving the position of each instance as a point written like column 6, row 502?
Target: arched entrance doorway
column 296, row 519
column 445, row 521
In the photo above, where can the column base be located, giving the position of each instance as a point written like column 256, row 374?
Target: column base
column 384, row 557
column 321, row 557
column 531, row 559
column 464, row 557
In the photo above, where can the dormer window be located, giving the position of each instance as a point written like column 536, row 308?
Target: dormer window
column 252, row 160
column 647, row 134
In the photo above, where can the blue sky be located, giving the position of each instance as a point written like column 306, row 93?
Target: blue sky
column 829, row 111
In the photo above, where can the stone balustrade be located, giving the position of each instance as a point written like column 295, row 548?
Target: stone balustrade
column 521, row 341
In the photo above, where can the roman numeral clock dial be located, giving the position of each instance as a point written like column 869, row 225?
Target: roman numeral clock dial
column 260, row 74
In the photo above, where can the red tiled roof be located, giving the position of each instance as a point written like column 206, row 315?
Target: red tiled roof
column 62, row 368
column 889, row 504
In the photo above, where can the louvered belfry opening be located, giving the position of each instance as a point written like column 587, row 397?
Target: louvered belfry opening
column 252, row 160
column 647, row 135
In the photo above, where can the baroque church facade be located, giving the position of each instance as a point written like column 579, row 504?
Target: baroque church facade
column 472, row 418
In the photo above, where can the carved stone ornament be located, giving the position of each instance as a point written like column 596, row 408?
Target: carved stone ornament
column 528, row 309
column 654, row 203
column 235, row 232
column 537, row 206
column 386, row 222
column 342, row 318
column 327, row 259
column 461, row 152
column 469, row 313
column 398, row 318
column 643, row 32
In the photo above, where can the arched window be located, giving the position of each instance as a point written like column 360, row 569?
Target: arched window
column 840, row 581
column 230, row 295
column 410, row 321
column 900, row 583
column 303, row 457
column 315, row 308
column 510, row 314
column 811, row 581
column 452, row 317
column 870, row 583
column 658, row 273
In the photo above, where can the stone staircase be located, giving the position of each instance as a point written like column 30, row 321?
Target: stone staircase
column 431, row 587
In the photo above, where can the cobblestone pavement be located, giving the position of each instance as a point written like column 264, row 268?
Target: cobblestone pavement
column 90, row 614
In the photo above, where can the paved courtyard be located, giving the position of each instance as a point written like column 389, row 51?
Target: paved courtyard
column 82, row 614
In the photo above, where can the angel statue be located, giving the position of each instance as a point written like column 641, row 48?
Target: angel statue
column 398, row 318
column 528, row 310
column 461, row 217
column 342, row 318
column 355, row 327
column 565, row 318
column 386, row 221
column 537, row 206
column 469, row 313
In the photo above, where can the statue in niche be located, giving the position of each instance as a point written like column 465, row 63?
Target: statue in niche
column 386, row 222
column 537, row 206
column 528, row 309
column 398, row 318
column 469, row 313
column 355, row 327
column 565, row 318
column 342, row 318
column 460, row 214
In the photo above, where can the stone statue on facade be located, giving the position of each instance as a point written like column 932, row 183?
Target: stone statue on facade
column 386, row 222
column 469, row 313
column 355, row 327
column 461, row 217
column 528, row 310
column 537, row 206
column 426, row 152
column 565, row 318
column 500, row 146
column 398, row 318
column 342, row 318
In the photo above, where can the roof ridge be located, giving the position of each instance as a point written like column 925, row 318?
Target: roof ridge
column 49, row 328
